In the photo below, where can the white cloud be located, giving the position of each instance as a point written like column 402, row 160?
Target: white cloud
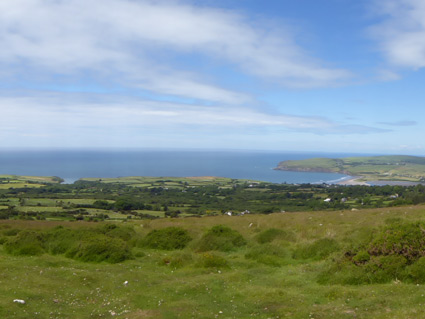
column 58, row 118
column 402, row 32
column 132, row 41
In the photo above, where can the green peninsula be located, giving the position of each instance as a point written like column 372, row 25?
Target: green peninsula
column 373, row 168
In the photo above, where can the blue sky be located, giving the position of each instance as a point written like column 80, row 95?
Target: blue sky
column 306, row 75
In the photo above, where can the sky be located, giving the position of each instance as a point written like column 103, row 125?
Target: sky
column 284, row 75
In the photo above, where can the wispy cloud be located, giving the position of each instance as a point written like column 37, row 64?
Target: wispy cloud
column 401, row 33
column 400, row 123
column 133, row 42
column 60, row 116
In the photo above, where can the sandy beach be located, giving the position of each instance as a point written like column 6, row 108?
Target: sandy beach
column 353, row 181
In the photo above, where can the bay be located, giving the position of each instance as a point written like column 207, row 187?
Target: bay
column 74, row 164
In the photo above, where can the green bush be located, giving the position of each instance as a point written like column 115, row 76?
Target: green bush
column 343, row 272
column 380, row 269
column 60, row 240
column 137, row 252
column 125, row 233
column 396, row 251
column 317, row 250
column 385, row 268
column 221, row 238
column 272, row 234
column 26, row 243
column 416, row 271
column 11, row 232
column 82, row 244
column 403, row 239
column 211, row 260
column 100, row 248
column 268, row 254
column 361, row 257
column 169, row 238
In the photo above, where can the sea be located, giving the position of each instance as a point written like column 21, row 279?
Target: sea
column 72, row 165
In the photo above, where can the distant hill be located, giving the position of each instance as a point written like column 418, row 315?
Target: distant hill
column 372, row 168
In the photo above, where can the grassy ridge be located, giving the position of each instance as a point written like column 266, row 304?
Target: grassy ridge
column 273, row 272
column 375, row 168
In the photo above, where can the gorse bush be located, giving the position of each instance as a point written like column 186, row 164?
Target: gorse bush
column 385, row 268
column 317, row 250
column 100, row 248
column 221, row 238
column 211, row 260
column 60, row 239
column 396, row 251
column 91, row 245
column 125, row 233
column 272, row 234
column 10, row 232
column 416, row 271
column 169, row 238
column 26, row 242
column 403, row 239
column 268, row 254
column 361, row 257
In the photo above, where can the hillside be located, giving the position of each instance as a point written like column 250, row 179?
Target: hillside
column 303, row 265
column 373, row 168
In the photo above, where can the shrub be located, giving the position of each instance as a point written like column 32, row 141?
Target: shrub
column 169, row 238
column 100, row 248
column 396, row 251
column 343, row 272
column 26, row 243
column 268, row 254
column 361, row 257
column 385, row 268
column 211, row 260
column 11, row 232
column 272, row 234
column 404, row 239
column 60, row 240
column 139, row 254
column 82, row 244
column 317, row 250
column 124, row 233
column 416, row 271
column 221, row 238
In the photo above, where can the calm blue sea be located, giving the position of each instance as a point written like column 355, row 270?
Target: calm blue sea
column 72, row 165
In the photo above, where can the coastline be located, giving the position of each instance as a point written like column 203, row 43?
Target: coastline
column 355, row 180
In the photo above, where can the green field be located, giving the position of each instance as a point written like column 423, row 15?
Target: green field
column 375, row 168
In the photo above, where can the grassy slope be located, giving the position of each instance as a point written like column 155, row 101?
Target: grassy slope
column 57, row 287
column 397, row 167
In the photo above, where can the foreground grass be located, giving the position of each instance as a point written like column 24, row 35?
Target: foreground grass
column 178, row 284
